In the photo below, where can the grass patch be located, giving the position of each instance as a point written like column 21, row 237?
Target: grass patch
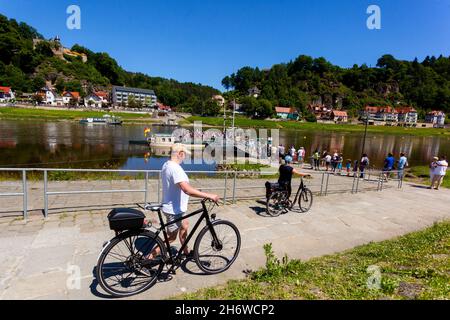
column 414, row 266
column 306, row 126
column 64, row 114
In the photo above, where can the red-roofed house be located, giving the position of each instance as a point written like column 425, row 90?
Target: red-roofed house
column 407, row 116
column 437, row 118
column 387, row 114
column 103, row 95
column 287, row 113
column 68, row 95
column 339, row 116
column 6, row 94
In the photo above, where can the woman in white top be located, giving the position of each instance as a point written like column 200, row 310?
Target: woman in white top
column 433, row 166
column 440, row 171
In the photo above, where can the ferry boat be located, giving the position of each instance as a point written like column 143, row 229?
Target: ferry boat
column 107, row 119
column 166, row 140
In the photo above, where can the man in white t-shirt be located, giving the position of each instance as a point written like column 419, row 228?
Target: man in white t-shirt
column 439, row 172
column 176, row 191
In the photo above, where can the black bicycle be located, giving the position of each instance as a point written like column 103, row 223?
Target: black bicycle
column 278, row 201
column 134, row 259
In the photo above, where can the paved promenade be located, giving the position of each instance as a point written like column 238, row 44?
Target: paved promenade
column 36, row 257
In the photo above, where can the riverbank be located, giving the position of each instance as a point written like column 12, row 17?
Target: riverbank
column 310, row 126
column 16, row 113
column 410, row 267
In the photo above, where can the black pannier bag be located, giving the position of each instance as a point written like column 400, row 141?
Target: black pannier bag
column 270, row 188
column 121, row 219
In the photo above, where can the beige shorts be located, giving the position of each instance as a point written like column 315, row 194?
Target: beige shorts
column 171, row 217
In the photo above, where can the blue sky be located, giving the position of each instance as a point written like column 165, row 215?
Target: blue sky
column 204, row 40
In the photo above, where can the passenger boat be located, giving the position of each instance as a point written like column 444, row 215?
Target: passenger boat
column 107, row 119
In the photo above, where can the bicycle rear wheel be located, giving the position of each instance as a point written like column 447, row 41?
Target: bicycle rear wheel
column 276, row 204
column 305, row 200
column 123, row 269
column 217, row 255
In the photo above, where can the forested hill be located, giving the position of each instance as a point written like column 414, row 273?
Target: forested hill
column 422, row 84
column 26, row 67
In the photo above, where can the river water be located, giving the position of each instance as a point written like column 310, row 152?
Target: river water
column 70, row 144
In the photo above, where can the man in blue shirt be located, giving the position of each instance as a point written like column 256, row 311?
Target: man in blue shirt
column 402, row 163
column 388, row 165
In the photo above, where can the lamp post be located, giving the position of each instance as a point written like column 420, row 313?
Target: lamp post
column 366, row 119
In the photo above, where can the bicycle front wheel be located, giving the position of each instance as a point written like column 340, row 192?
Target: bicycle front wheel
column 305, row 200
column 216, row 254
column 124, row 267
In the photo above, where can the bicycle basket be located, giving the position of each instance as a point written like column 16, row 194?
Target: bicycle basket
column 121, row 219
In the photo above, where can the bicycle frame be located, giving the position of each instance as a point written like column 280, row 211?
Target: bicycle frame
column 300, row 188
column 204, row 215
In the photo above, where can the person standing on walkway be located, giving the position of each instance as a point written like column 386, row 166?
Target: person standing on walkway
column 327, row 159
column 364, row 163
column 339, row 164
column 176, row 191
column 281, row 152
column 348, row 166
column 440, row 171
column 388, row 165
column 402, row 163
column 316, row 157
column 433, row 166
column 301, row 155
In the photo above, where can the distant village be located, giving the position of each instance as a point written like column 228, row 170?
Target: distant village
column 126, row 97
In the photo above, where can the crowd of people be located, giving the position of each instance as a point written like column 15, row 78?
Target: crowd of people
column 336, row 163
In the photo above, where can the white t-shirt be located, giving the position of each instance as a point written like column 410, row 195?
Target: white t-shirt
column 327, row 158
column 175, row 201
column 441, row 168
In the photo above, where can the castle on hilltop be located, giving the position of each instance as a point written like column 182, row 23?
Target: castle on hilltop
column 59, row 50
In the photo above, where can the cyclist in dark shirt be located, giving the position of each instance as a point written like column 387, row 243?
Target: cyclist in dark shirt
column 286, row 173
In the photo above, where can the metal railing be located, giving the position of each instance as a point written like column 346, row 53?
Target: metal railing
column 327, row 182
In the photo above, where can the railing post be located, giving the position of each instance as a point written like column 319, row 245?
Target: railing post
column 234, row 187
column 357, row 183
column 45, row 195
column 379, row 183
column 146, row 187
column 326, row 186
column 321, row 183
column 159, row 186
column 382, row 180
column 353, row 184
column 225, row 190
column 25, row 194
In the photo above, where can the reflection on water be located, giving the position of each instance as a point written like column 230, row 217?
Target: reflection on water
column 70, row 144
